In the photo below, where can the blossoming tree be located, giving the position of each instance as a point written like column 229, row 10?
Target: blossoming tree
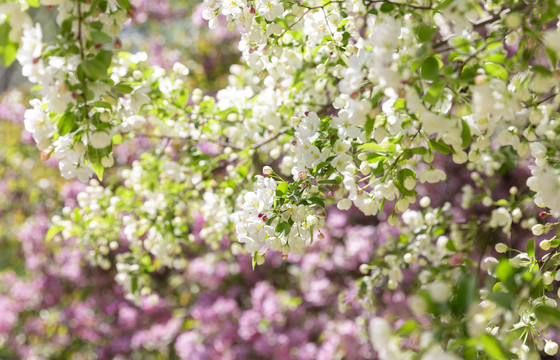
column 438, row 118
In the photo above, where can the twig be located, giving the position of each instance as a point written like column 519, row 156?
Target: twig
column 481, row 23
column 411, row 6
column 543, row 100
column 261, row 144
column 80, row 20
column 217, row 142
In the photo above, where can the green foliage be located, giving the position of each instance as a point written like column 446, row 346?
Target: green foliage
column 8, row 48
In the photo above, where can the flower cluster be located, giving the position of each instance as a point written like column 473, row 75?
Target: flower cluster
column 437, row 116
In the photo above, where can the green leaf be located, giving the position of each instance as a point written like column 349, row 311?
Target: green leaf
column 371, row 146
column 117, row 139
column 541, row 70
column 96, row 25
column 399, row 104
column 9, row 53
column 442, row 5
column 105, row 57
column 99, row 169
column 387, row 7
column 282, row 229
column 465, row 294
column 95, row 156
column 503, row 299
column 552, row 56
column 507, row 165
column 124, row 4
column 425, row 32
column 134, row 284
column 530, row 248
column 53, row 231
column 433, row 93
column 94, row 69
column 243, row 170
column 345, row 36
column 255, row 257
column 408, row 327
column 8, row 49
column 382, row 205
column 465, row 135
column 100, row 37
column 504, row 270
column 429, row 69
column 470, row 353
column 183, row 98
column 439, row 146
column 33, row 3
column 336, row 181
column 67, row 123
column 66, row 27
column 418, row 150
column 376, row 147
column 501, row 202
column 496, row 70
column 123, row 88
column 497, row 58
column 405, row 173
column 548, row 315
column 318, row 201
column 281, row 189
column 468, row 73
column 493, row 347
column 461, row 44
column 102, row 104
column 369, row 126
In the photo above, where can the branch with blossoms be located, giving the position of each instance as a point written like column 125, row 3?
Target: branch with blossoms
column 437, row 119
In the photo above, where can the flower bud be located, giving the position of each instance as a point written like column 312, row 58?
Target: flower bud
column 439, row 291
column 489, row 263
column 402, row 205
column 428, row 157
column 100, row 139
column 425, row 202
column 409, row 183
column 344, row 204
column 487, row 201
column 311, row 220
column 548, row 278
column 537, row 229
column 107, row 161
column 501, row 248
column 417, row 304
column 408, row 258
column 364, row 269
column 545, row 245
column 551, row 348
column 105, row 117
column 513, row 20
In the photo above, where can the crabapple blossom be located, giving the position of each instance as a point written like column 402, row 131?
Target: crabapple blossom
column 416, row 119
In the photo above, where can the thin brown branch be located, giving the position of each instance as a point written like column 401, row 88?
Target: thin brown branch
column 410, row 6
column 82, row 55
